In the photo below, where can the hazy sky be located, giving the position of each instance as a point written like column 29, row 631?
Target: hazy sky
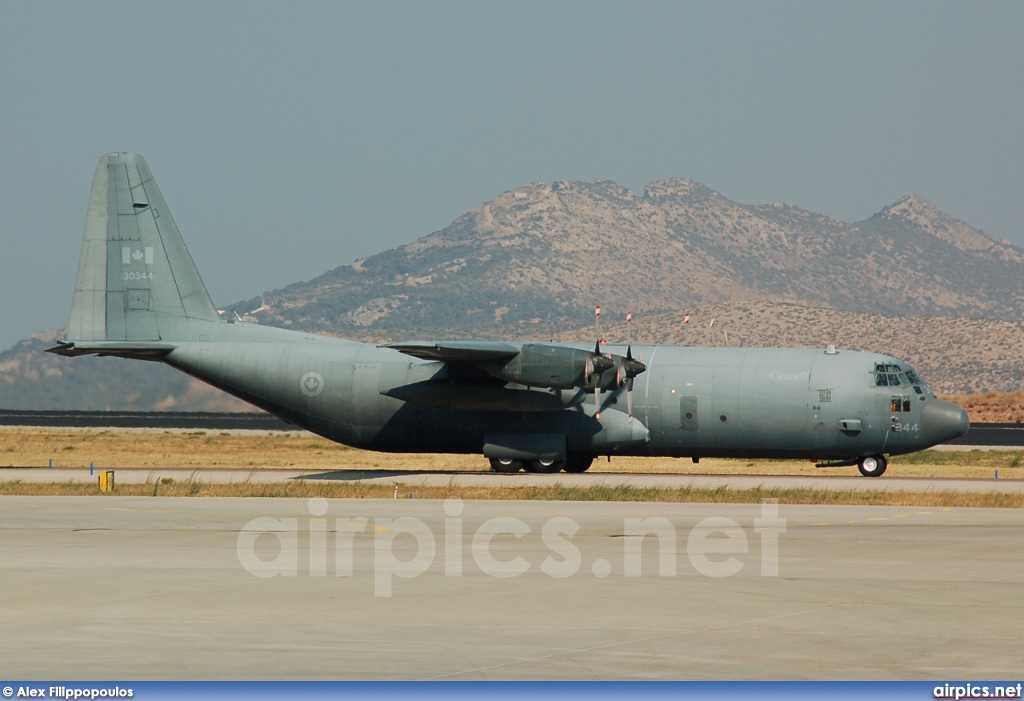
column 290, row 138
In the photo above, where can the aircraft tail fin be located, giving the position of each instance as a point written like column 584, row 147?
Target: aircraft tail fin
column 136, row 282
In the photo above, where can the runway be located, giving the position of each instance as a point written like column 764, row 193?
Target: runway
column 175, row 588
column 522, row 479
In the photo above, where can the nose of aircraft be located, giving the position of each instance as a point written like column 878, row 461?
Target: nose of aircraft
column 942, row 421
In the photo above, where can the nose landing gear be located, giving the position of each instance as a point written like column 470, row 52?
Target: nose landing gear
column 872, row 465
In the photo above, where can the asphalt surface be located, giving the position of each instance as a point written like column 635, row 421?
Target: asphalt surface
column 154, row 588
column 989, row 435
column 145, row 419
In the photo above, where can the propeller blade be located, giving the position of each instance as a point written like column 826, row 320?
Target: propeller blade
column 629, row 397
column 599, row 362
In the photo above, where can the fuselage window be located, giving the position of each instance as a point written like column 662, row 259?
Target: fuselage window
column 897, row 404
column 900, row 403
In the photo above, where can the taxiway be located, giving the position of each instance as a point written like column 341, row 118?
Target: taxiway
column 157, row 588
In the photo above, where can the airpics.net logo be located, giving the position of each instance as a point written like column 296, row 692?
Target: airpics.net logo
column 714, row 547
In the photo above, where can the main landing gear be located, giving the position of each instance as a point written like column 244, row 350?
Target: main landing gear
column 872, row 465
column 573, row 463
column 543, row 466
column 506, row 465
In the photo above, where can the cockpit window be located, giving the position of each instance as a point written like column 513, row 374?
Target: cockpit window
column 888, row 375
column 892, row 375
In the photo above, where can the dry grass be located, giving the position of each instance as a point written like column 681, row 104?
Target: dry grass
column 991, row 407
column 33, row 447
column 554, row 492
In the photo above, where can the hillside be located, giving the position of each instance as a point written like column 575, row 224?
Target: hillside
column 532, row 262
column 954, row 355
column 538, row 258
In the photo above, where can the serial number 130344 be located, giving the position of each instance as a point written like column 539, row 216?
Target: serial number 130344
column 137, row 276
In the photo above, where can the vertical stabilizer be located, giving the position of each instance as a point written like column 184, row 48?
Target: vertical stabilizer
column 136, row 280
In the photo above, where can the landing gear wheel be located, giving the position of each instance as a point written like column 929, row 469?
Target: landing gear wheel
column 578, row 463
column 505, row 465
column 544, row 466
column 872, row 466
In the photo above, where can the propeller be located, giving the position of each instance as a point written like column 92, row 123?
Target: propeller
column 626, row 368
column 600, row 363
column 629, row 367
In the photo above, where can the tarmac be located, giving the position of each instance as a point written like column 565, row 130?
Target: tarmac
column 132, row 588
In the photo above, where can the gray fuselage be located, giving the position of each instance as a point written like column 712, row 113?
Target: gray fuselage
column 690, row 402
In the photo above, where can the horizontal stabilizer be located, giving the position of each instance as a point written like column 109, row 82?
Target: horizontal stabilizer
column 144, row 351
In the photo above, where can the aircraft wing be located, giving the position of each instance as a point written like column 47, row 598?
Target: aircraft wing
column 568, row 371
column 458, row 351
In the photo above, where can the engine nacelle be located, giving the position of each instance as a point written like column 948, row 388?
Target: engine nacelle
column 542, row 365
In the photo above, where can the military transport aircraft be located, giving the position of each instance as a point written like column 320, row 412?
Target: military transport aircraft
column 542, row 407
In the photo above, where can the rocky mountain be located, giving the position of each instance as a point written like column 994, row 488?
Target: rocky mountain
column 532, row 263
column 539, row 257
column 954, row 355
